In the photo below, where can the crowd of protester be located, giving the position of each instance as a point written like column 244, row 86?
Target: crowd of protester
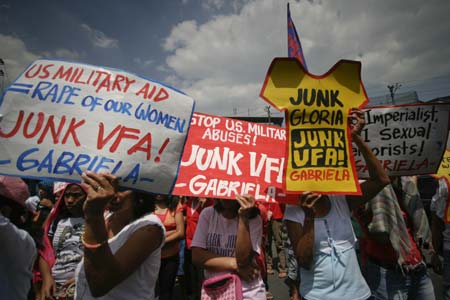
column 97, row 240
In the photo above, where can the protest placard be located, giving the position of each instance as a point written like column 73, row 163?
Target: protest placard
column 319, row 156
column 62, row 118
column 407, row 139
column 224, row 157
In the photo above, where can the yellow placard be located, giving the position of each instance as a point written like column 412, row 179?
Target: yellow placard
column 444, row 167
column 319, row 151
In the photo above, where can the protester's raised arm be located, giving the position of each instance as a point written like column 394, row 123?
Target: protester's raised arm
column 302, row 235
column 378, row 178
column 244, row 250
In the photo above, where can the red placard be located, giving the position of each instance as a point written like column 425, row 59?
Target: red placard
column 224, row 157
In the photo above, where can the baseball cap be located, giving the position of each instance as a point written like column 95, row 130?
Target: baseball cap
column 14, row 189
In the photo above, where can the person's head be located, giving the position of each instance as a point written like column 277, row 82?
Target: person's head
column 74, row 197
column 309, row 199
column 46, row 190
column 13, row 194
column 129, row 205
column 229, row 206
column 170, row 202
column 58, row 188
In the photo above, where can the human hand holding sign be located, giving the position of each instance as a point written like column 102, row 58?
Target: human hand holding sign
column 102, row 189
column 357, row 121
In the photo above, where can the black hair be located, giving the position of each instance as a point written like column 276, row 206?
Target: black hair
column 252, row 213
column 17, row 212
column 63, row 212
column 143, row 204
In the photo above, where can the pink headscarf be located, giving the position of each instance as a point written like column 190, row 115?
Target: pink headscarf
column 47, row 252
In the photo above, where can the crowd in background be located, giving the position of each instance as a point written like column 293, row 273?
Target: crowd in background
column 97, row 240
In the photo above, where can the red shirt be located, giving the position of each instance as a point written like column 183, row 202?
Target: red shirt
column 193, row 209
column 168, row 219
column 276, row 209
column 384, row 252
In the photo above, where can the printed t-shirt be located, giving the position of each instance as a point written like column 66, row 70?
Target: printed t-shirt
column 66, row 241
column 335, row 272
column 218, row 235
column 140, row 284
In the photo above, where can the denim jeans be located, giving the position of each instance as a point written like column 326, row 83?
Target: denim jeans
column 446, row 275
column 393, row 285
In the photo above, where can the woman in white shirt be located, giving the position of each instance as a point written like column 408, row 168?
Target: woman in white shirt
column 122, row 254
column 228, row 240
column 322, row 236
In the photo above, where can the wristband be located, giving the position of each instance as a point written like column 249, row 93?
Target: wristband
column 92, row 246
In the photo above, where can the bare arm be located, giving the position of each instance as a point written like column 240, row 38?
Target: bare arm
column 48, row 288
column 104, row 270
column 302, row 240
column 178, row 233
column 244, row 250
column 378, row 177
column 213, row 262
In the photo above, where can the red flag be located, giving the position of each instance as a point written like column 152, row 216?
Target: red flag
column 294, row 45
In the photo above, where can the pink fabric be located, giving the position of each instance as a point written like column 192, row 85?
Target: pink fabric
column 14, row 189
column 276, row 209
column 47, row 253
column 230, row 290
column 218, row 235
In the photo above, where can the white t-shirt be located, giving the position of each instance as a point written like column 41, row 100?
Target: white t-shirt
column 335, row 273
column 338, row 221
column 140, row 285
column 17, row 255
column 218, row 235
column 68, row 248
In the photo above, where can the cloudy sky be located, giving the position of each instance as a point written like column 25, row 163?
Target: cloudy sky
column 218, row 51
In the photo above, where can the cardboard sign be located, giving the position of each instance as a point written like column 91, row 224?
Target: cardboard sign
column 443, row 174
column 407, row 139
column 319, row 150
column 444, row 167
column 224, row 157
column 61, row 118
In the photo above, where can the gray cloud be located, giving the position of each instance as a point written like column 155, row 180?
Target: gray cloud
column 99, row 39
column 396, row 41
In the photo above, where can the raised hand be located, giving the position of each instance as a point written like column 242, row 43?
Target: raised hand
column 102, row 189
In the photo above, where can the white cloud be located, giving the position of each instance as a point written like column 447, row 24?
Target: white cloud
column 64, row 54
column 17, row 57
column 213, row 4
column 142, row 62
column 99, row 39
column 397, row 41
column 180, row 35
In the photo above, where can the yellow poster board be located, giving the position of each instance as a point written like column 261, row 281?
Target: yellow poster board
column 444, row 172
column 444, row 167
column 320, row 157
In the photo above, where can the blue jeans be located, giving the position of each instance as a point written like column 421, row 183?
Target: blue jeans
column 393, row 285
column 446, row 275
